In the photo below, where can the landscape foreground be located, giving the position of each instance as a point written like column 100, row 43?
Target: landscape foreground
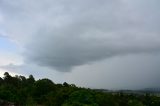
column 22, row 91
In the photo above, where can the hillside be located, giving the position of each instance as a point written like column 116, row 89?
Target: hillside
column 22, row 91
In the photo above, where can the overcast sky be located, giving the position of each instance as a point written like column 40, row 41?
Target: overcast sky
column 112, row 44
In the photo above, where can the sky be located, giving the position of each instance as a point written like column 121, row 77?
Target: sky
column 109, row 44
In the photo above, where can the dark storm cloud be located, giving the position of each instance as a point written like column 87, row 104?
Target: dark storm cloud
column 63, row 35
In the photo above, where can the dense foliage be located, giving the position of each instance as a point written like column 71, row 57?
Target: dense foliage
column 24, row 91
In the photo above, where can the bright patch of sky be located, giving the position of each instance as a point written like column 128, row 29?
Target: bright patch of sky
column 8, row 50
column 2, row 71
column 9, row 53
column 7, row 45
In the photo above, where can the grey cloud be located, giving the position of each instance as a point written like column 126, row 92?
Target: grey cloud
column 11, row 67
column 132, row 71
column 63, row 34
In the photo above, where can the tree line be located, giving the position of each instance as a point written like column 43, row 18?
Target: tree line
column 22, row 91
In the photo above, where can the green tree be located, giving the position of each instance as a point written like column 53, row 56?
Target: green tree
column 30, row 80
column 81, row 98
column 135, row 103
column 41, row 88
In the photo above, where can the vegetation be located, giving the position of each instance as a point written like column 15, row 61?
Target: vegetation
column 22, row 91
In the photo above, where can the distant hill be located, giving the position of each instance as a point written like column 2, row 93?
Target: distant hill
column 154, row 90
